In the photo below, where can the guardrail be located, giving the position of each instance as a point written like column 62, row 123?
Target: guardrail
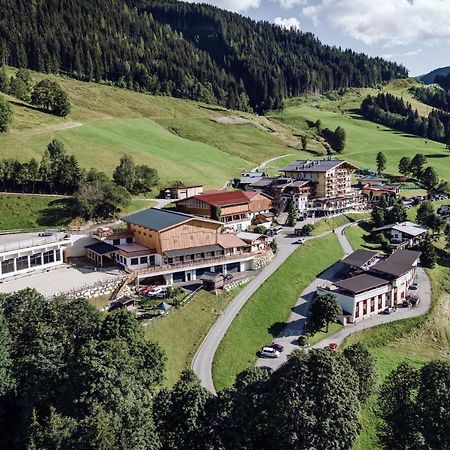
column 35, row 242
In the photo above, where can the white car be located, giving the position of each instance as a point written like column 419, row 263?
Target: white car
column 414, row 286
column 269, row 352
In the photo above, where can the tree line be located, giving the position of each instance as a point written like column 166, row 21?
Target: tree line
column 75, row 378
column 392, row 111
column 96, row 195
column 437, row 98
column 180, row 49
column 443, row 81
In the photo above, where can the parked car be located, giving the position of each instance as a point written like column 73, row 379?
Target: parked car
column 299, row 241
column 333, row 346
column 302, row 340
column 269, row 352
column 277, row 347
column 229, row 277
column 45, row 234
column 389, row 310
column 414, row 286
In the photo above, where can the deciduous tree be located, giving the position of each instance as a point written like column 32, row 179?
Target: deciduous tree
column 381, row 162
column 404, row 165
column 324, row 310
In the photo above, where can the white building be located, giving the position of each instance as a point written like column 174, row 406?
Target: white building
column 406, row 233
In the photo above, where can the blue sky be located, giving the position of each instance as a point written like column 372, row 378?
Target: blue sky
column 415, row 33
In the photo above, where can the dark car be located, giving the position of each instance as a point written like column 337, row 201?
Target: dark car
column 277, row 347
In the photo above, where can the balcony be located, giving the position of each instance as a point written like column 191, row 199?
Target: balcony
column 194, row 264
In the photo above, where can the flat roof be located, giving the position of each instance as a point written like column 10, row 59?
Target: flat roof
column 133, row 247
column 361, row 283
column 359, row 258
column 226, row 198
column 192, row 250
column 101, row 248
column 321, row 165
column 400, row 262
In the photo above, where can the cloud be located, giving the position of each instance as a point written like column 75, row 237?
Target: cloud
column 288, row 4
column 289, row 23
column 397, row 55
column 385, row 22
column 231, row 5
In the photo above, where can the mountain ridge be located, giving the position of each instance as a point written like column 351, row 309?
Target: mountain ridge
column 185, row 50
column 429, row 77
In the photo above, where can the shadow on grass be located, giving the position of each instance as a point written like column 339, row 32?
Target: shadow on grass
column 60, row 212
column 438, row 156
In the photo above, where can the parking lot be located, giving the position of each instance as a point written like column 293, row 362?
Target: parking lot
column 59, row 280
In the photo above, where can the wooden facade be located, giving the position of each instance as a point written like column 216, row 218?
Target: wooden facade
column 194, row 233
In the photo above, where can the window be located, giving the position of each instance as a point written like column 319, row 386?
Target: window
column 116, row 241
column 49, row 257
column 8, row 266
column 22, row 263
column 35, row 260
column 58, row 255
column 143, row 260
column 130, row 240
column 134, row 261
column 152, row 260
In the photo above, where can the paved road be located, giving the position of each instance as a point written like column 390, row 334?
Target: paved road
column 296, row 321
column 203, row 359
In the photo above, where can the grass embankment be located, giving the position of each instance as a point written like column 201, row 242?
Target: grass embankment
column 359, row 237
column 183, row 330
column 415, row 341
column 331, row 223
column 182, row 139
column 266, row 312
column 34, row 212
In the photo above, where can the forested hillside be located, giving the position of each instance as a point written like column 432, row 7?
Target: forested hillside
column 179, row 49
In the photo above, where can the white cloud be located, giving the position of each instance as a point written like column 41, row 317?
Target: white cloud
column 291, row 22
column 231, row 5
column 385, row 22
column 288, row 4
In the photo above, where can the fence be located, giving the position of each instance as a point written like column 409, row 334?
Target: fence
column 35, row 242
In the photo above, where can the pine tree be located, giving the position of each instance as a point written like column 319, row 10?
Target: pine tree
column 429, row 255
column 6, row 115
column 339, row 140
column 381, row 162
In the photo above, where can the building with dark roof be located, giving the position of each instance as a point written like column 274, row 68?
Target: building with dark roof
column 384, row 284
column 360, row 259
column 174, row 245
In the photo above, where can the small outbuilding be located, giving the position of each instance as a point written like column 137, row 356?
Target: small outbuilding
column 213, row 281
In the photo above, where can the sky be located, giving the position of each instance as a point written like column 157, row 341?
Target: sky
column 415, row 33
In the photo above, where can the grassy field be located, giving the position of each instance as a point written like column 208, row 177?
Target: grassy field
column 40, row 212
column 359, row 237
column 34, row 212
column 365, row 139
column 182, row 331
column 182, row 139
column 331, row 223
column 266, row 312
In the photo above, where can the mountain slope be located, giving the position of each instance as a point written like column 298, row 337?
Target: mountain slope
column 430, row 76
column 184, row 50
column 184, row 140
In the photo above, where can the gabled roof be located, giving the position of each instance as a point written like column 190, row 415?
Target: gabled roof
column 246, row 236
column 227, row 198
column 230, row 240
column 315, row 165
column 159, row 219
column 361, row 283
column 409, row 228
column 359, row 258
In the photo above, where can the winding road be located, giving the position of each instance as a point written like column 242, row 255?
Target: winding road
column 203, row 359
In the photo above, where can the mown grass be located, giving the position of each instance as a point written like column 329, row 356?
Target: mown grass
column 332, row 329
column 328, row 224
column 137, row 204
column 365, row 139
column 34, row 212
column 266, row 312
column 359, row 237
column 178, row 137
column 183, row 330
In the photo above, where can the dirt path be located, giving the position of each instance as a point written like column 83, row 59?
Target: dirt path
column 49, row 129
